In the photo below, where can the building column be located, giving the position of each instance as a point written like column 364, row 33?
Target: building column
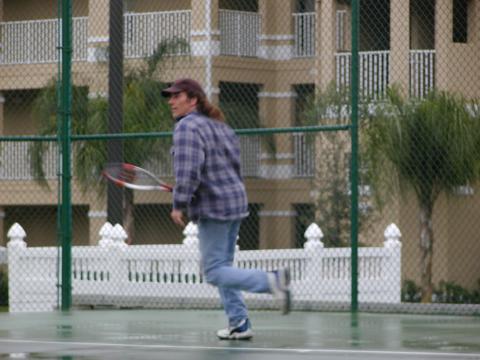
column 97, row 43
column 97, row 218
column 325, row 43
column 276, row 39
column 2, row 113
column 205, row 41
column 400, row 44
column 98, row 30
column 276, row 110
column 3, row 240
column 1, row 20
column 276, row 225
column 443, row 41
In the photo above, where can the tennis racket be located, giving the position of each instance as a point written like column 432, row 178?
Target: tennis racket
column 134, row 177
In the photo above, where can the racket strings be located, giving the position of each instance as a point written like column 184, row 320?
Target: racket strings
column 134, row 177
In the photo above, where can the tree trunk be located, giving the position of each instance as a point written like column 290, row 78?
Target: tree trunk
column 426, row 247
column 128, row 218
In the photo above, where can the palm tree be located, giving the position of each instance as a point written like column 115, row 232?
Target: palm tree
column 145, row 110
column 433, row 146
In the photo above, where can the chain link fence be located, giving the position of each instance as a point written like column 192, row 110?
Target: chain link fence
column 270, row 65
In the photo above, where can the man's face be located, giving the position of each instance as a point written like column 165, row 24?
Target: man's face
column 181, row 104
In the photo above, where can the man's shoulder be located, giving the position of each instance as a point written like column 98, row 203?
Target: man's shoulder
column 192, row 121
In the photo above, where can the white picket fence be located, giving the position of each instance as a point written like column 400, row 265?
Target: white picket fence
column 116, row 274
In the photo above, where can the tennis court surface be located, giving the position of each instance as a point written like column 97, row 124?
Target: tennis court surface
column 190, row 334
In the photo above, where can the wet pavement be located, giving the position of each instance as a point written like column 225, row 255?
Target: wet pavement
column 190, row 334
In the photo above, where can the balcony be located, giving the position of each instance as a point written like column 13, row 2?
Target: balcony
column 304, row 155
column 29, row 42
column 16, row 158
column 304, row 25
column 34, row 42
column 15, row 161
column 374, row 72
column 422, row 72
column 239, row 33
column 144, row 31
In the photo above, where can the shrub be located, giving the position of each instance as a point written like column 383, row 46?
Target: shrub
column 447, row 292
column 3, row 288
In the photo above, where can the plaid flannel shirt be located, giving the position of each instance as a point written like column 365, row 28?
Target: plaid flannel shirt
column 206, row 157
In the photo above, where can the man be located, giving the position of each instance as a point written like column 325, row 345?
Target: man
column 210, row 190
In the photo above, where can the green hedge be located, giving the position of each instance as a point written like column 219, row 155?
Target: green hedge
column 3, row 288
column 447, row 292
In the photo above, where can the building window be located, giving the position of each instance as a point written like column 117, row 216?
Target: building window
column 239, row 103
column 249, row 235
column 305, row 217
column 460, row 21
column 244, row 5
column 341, row 32
column 304, row 6
column 304, row 94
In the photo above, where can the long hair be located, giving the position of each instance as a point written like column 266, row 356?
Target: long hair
column 206, row 108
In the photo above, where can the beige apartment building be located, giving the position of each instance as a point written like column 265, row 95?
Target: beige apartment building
column 274, row 53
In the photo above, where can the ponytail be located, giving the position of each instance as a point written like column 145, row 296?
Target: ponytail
column 206, row 108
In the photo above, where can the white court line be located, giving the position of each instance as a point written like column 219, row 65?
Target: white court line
column 252, row 349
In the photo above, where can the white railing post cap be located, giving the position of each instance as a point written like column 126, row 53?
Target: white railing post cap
column 392, row 236
column 119, row 235
column 314, row 236
column 191, row 234
column 106, row 234
column 16, row 234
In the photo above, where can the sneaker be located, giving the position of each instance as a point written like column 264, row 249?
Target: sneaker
column 242, row 331
column 279, row 286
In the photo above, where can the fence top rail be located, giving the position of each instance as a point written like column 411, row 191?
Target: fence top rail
column 310, row 13
column 372, row 52
column 422, row 51
column 239, row 12
column 41, row 21
column 20, row 138
column 154, row 13
column 256, row 131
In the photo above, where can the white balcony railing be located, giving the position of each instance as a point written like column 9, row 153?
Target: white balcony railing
column 28, row 42
column 422, row 72
column 304, row 155
column 144, row 31
column 239, row 33
column 250, row 151
column 304, row 25
column 373, row 72
column 16, row 157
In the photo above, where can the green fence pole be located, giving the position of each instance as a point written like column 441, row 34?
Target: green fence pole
column 354, row 160
column 66, row 204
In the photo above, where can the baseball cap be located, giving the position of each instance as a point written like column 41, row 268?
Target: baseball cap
column 188, row 85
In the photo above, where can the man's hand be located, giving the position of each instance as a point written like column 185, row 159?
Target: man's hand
column 177, row 217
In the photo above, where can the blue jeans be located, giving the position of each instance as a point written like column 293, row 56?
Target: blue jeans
column 217, row 248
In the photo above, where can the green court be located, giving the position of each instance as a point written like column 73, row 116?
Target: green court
column 190, row 334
